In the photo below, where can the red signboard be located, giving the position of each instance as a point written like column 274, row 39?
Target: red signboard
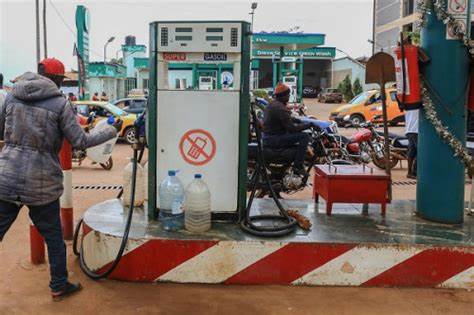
column 174, row 56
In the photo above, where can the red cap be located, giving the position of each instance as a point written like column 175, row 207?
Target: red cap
column 52, row 66
column 280, row 88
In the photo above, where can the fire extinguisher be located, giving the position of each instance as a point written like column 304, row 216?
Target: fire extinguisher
column 408, row 75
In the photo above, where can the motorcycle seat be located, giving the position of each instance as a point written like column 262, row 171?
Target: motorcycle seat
column 400, row 141
column 272, row 155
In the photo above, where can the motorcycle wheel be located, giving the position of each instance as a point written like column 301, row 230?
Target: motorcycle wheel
column 108, row 165
column 380, row 162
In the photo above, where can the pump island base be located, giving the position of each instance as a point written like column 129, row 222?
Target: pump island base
column 345, row 249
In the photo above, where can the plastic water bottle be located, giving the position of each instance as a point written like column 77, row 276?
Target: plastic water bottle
column 127, row 185
column 145, row 180
column 171, row 194
column 197, row 210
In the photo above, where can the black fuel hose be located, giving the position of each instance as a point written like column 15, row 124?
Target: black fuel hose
column 288, row 224
column 91, row 274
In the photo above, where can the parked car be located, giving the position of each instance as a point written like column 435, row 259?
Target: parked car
column 138, row 93
column 330, row 95
column 132, row 105
column 103, row 110
column 310, row 92
column 367, row 106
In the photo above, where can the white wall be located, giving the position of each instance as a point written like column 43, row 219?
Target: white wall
column 129, row 62
column 141, row 75
column 346, row 66
column 114, row 88
column 173, row 75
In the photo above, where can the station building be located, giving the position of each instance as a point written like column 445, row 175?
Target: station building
column 300, row 50
column 305, row 62
column 304, row 57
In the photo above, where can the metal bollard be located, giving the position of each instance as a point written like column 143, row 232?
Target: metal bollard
column 67, row 214
column 37, row 248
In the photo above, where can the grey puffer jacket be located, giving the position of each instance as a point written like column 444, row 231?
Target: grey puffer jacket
column 34, row 120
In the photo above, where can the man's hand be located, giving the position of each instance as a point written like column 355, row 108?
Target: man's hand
column 117, row 123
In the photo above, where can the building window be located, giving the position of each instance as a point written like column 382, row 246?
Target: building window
column 408, row 28
column 145, row 83
column 130, row 83
column 408, row 7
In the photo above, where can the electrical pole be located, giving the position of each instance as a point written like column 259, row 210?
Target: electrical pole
column 45, row 31
column 440, row 189
column 374, row 9
column 38, row 48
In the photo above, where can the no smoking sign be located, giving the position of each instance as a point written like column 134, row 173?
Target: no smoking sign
column 197, row 147
column 458, row 9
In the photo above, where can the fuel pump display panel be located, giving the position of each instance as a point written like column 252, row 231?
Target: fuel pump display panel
column 200, row 37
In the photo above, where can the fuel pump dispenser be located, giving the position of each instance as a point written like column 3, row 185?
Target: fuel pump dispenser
column 289, row 70
column 292, row 82
column 201, row 130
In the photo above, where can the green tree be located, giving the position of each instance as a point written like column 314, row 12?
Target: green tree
column 357, row 87
column 346, row 88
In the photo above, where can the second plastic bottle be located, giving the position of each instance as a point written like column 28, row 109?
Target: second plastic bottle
column 197, row 214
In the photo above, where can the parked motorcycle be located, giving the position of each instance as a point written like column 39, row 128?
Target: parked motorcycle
column 279, row 161
column 368, row 142
column 100, row 154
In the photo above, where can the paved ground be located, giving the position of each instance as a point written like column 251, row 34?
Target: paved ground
column 23, row 288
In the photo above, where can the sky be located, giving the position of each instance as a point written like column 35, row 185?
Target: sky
column 346, row 23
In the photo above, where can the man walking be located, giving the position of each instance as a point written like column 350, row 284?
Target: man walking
column 411, row 132
column 34, row 120
column 3, row 94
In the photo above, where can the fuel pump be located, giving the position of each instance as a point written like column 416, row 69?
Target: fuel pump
column 207, row 83
column 292, row 82
column 289, row 70
column 203, row 129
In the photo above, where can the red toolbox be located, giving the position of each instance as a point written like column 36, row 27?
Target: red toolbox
column 350, row 184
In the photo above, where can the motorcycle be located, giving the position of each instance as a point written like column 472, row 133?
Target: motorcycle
column 279, row 161
column 101, row 154
column 371, row 141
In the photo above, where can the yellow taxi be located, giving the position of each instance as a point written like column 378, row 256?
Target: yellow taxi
column 103, row 110
column 367, row 106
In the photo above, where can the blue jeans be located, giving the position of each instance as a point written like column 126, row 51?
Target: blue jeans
column 48, row 222
column 301, row 139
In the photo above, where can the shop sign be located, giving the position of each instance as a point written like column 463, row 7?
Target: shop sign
column 329, row 53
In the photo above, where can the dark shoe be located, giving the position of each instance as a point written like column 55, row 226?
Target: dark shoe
column 411, row 176
column 300, row 171
column 68, row 290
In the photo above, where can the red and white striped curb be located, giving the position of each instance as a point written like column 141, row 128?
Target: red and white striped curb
column 274, row 262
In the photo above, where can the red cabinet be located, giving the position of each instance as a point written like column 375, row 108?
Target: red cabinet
column 350, row 184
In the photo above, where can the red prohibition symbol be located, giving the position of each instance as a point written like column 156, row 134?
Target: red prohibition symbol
column 458, row 6
column 197, row 147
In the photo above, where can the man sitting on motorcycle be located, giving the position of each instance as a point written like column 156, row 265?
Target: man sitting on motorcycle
column 281, row 131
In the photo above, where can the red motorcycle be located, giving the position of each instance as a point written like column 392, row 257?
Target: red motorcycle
column 365, row 146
